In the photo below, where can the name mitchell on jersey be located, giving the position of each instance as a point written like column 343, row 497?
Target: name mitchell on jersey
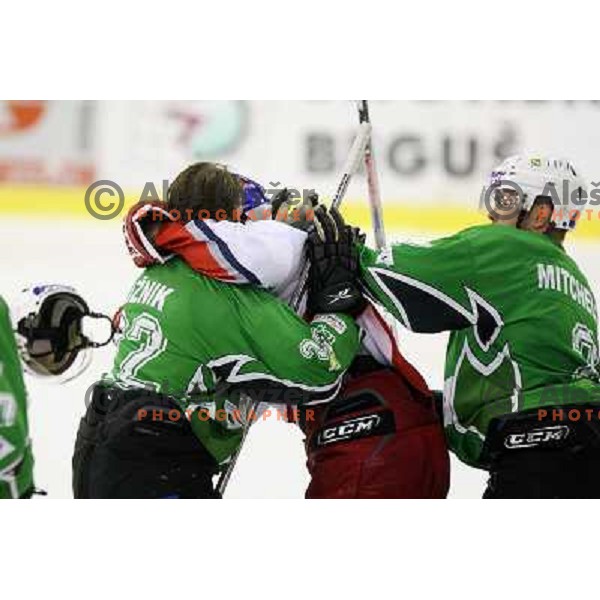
column 553, row 277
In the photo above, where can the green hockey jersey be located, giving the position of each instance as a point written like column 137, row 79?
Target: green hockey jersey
column 202, row 341
column 16, row 459
column 522, row 315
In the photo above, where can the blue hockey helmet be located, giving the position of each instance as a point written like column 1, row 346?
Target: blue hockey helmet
column 253, row 194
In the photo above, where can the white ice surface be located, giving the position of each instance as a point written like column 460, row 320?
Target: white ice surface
column 91, row 256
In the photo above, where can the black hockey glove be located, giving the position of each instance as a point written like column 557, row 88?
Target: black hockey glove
column 334, row 266
column 297, row 212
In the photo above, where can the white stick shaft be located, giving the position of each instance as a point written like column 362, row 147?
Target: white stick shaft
column 374, row 192
column 226, row 475
column 355, row 156
column 375, row 199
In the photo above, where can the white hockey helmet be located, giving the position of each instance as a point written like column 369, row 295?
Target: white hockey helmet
column 48, row 323
column 535, row 175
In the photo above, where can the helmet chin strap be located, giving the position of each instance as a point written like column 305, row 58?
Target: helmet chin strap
column 113, row 331
column 87, row 342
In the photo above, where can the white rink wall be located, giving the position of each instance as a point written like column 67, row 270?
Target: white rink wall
column 91, row 256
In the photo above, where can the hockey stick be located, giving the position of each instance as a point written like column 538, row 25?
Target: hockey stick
column 356, row 154
column 357, row 151
column 372, row 181
column 226, row 474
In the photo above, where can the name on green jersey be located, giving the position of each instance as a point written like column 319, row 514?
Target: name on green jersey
column 151, row 293
column 553, row 277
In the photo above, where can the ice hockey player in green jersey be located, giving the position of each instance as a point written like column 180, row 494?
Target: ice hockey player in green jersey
column 192, row 350
column 522, row 389
column 49, row 342
column 16, row 460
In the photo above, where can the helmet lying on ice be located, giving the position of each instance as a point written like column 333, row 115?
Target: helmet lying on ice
column 49, row 331
column 534, row 176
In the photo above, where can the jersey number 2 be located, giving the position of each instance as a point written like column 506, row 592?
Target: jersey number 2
column 144, row 330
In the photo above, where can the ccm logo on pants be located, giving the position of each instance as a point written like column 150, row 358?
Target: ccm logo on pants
column 536, row 437
column 381, row 423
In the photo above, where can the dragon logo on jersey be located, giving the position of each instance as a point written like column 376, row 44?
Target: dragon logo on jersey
column 320, row 346
column 585, row 344
column 498, row 380
column 482, row 361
